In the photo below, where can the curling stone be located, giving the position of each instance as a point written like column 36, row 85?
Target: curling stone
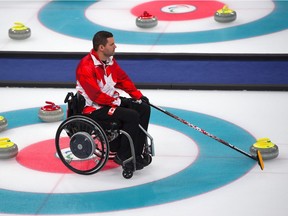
column 225, row 15
column 267, row 149
column 50, row 112
column 19, row 31
column 3, row 123
column 8, row 149
column 146, row 20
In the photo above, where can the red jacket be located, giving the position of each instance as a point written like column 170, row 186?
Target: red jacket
column 97, row 82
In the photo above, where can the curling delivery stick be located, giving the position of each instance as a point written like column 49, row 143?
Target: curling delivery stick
column 257, row 158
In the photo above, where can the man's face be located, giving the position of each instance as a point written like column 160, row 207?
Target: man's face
column 109, row 48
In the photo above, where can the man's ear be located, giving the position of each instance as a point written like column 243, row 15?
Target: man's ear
column 101, row 47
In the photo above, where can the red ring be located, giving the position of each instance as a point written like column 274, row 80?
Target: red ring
column 203, row 9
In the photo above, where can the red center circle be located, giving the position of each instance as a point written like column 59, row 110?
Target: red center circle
column 203, row 9
column 41, row 156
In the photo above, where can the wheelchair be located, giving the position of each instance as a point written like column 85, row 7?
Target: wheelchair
column 83, row 144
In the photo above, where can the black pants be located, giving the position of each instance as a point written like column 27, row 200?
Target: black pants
column 130, row 117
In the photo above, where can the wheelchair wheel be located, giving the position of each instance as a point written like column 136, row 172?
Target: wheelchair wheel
column 127, row 174
column 82, row 145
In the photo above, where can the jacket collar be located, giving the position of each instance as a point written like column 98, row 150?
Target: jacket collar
column 97, row 60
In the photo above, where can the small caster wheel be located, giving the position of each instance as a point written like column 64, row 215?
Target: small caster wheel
column 127, row 174
column 148, row 158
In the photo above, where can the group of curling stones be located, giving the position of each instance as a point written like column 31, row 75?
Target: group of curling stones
column 146, row 20
column 48, row 113
column 223, row 15
column 8, row 149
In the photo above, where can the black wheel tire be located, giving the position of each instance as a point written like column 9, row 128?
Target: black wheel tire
column 84, row 124
column 127, row 174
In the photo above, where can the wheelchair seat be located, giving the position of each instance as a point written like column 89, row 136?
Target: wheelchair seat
column 76, row 104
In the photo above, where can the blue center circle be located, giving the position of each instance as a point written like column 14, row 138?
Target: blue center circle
column 216, row 166
column 68, row 18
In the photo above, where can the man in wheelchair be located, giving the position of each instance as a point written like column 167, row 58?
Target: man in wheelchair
column 98, row 77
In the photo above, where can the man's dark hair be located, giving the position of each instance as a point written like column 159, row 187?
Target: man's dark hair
column 100, row 38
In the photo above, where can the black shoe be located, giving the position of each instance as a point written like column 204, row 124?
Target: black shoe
column 144, row 159
column 141, row 160
column 128, row 165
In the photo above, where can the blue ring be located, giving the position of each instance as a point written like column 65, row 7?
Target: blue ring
column 215, row 167
column 69, row 19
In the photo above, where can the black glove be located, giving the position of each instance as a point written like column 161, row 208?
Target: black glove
column 145, row 99
column 125, row 102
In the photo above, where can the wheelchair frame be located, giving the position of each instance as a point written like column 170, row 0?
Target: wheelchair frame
column 83, row 144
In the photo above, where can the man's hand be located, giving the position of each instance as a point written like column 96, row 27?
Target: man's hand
column 125, row 102
column 145, row 99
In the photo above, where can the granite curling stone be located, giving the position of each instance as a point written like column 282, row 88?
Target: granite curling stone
column 3, row 123
column 19, row 31
column 8, row 149
column 225, row 15
column 51, row 112
column 267, row 149
column 146, row 20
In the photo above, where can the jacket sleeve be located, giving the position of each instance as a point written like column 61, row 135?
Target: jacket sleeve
column 126, row 84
